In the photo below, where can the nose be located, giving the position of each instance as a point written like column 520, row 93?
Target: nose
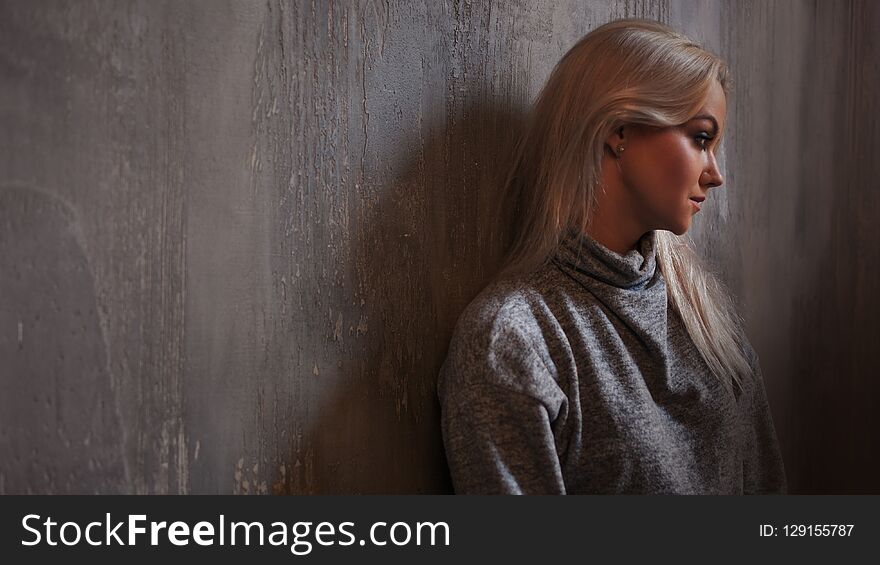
column 711, row 177
column 713, row 180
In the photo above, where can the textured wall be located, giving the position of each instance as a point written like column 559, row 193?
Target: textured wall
column 235, row 237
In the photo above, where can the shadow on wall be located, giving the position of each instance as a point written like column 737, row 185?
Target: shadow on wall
column 425, row 250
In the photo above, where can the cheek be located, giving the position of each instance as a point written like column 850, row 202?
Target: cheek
column 664, row 171
column 676, row 166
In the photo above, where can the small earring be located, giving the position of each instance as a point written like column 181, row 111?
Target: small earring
column 620, row 148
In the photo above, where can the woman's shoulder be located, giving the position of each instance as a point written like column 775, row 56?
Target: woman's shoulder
column 504, row 305
column 502, row 335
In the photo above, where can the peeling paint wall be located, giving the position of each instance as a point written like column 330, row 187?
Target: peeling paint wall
column 235, row 237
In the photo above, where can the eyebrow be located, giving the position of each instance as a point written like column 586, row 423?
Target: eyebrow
column 709, row 117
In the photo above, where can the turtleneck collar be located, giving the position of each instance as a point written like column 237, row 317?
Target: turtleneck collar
column 582, row 256
column 630, row 285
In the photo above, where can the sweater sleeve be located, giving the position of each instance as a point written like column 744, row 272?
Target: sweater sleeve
column 498, row 403
column 763, row 468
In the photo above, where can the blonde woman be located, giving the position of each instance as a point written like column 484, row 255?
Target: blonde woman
column 604, row 358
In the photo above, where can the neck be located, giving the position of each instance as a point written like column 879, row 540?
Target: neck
column 620, row 235
column 614, row 222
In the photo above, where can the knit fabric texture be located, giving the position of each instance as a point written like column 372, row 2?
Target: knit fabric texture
column 580, row 378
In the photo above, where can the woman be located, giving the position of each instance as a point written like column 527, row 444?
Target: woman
column 604, row 358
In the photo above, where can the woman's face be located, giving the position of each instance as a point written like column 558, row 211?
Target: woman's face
column 662, row 170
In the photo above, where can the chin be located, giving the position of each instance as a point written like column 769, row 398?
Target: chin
column 678, row 224
column 678, row 228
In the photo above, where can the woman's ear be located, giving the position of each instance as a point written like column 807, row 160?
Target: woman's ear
column 615, row 140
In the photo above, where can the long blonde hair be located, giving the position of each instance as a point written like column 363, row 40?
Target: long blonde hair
column 626, row 71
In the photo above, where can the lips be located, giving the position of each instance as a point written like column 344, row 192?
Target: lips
column 698, row 198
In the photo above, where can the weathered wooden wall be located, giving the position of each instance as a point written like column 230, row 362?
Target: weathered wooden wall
column 235, row 237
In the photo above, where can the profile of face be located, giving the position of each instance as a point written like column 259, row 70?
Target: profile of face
column 663, row 173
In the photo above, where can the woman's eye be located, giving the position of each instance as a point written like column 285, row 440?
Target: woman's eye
column 703, row 141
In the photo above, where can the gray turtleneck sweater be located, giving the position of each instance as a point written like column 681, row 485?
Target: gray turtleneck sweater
column 581, row 378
